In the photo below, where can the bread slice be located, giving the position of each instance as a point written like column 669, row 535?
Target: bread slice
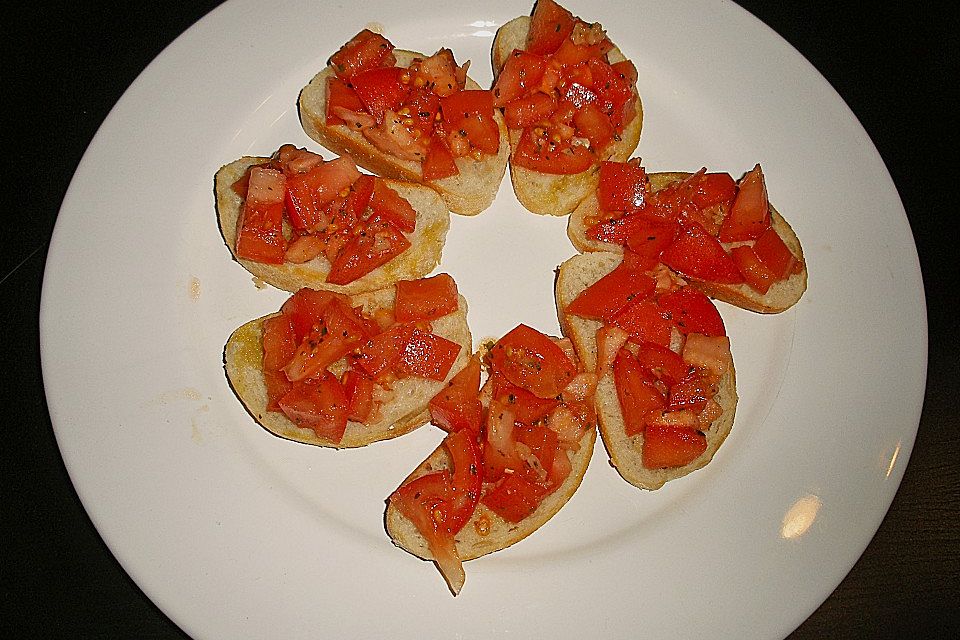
column 549, row 194
column 433, row 221
column 467, row 194
column 575, row 275
column 781, row 296
column 476, row 540
column 404, row 405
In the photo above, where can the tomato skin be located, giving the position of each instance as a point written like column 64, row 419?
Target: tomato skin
column 623, row 186
column 320, row 405
column 773, row 252
column 279, row 345
column 550, row 25
column 697, row 254
column 758, row 275
column 305, row 309
column 645, row 322
column 529, row 110
column 466, row 481
column 359, row 391
column 750, row 214
column 390, row 205
column 307, row 194
column 457, row 406
column 530, row 360
column 514, row 499
column 649, row 239
column 635, row 391
column 537, row 155
column 606, row 297
column 527, row 408
column 693, row 312
column 366, row 50
column 372, row 247
column 428, row 355
column 664, row 364
column 521, row 72
column 381, row 353
column 260, row 224
column 714, row 189
column 426, row 298
column 334, row 335
column 667, row 446
column 381, row 89
column 439, row 162
column 340, row 95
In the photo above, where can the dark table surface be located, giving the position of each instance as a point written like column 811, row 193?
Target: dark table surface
column 66, row 64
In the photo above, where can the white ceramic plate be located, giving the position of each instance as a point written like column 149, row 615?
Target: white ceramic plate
column 235, row 533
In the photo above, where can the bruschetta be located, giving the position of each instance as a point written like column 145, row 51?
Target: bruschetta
column 570, row 100
column 409, row 116
column 666, row 392
column 295, row 220
column 517, row 449
column 722, row 236
column 345, row 371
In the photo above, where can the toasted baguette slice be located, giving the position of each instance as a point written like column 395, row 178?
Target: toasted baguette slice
column 781, row 296
column 433, row 221
column 544, row 193
column 487, row 532
column 468, row 193
column 575, row 275
column 404, row 405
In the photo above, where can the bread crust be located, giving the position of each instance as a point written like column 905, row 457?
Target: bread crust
column 575, row 275
column 781, row 296
column 548, row 194
column 427, row 240
column 467, row 194
column 404, row 405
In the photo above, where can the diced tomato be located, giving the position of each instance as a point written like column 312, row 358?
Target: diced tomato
column 543, row 443
column 527, row 408
column 540, row 155
column 714, row 189
column 390, row 205
column 279, row 345
column 697, row 254
column 381, row 353
column 426, row 298
column 758, row 275
column 667, row 446
column 260, row 224
column 693, row 391
column 664, row 364
column 594, row 125
column 579, row 95
column 626, row 70
column 569, row 54
column 550, row 25
column 308, row 194
column 636, row 393
column 304, row 249
column 381, row 89
column 319, row 404
column 531, row 360
column 366, row 50
column 457, row 406
column 466, row 480
column 610, row 340
column 336, row 334
column 439, row 162
column 529, row 110
column 340, row 96
column 622, row 186
column 774, row 253
column 514, row 498
column 305, row 309
column 369, row 248
column 499, row 450
column 359, row 391
column 645, row 322
column 360, row 194
column 692, row 311
column 750, row 214
column 438, row 72
column 649, row 238
column 471, row 111
column 606, row 297
column 522, row 72
column 612, row 91
column 426, row 501
column 428, row 355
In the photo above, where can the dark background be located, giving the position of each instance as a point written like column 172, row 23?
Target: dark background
column 66, row 63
